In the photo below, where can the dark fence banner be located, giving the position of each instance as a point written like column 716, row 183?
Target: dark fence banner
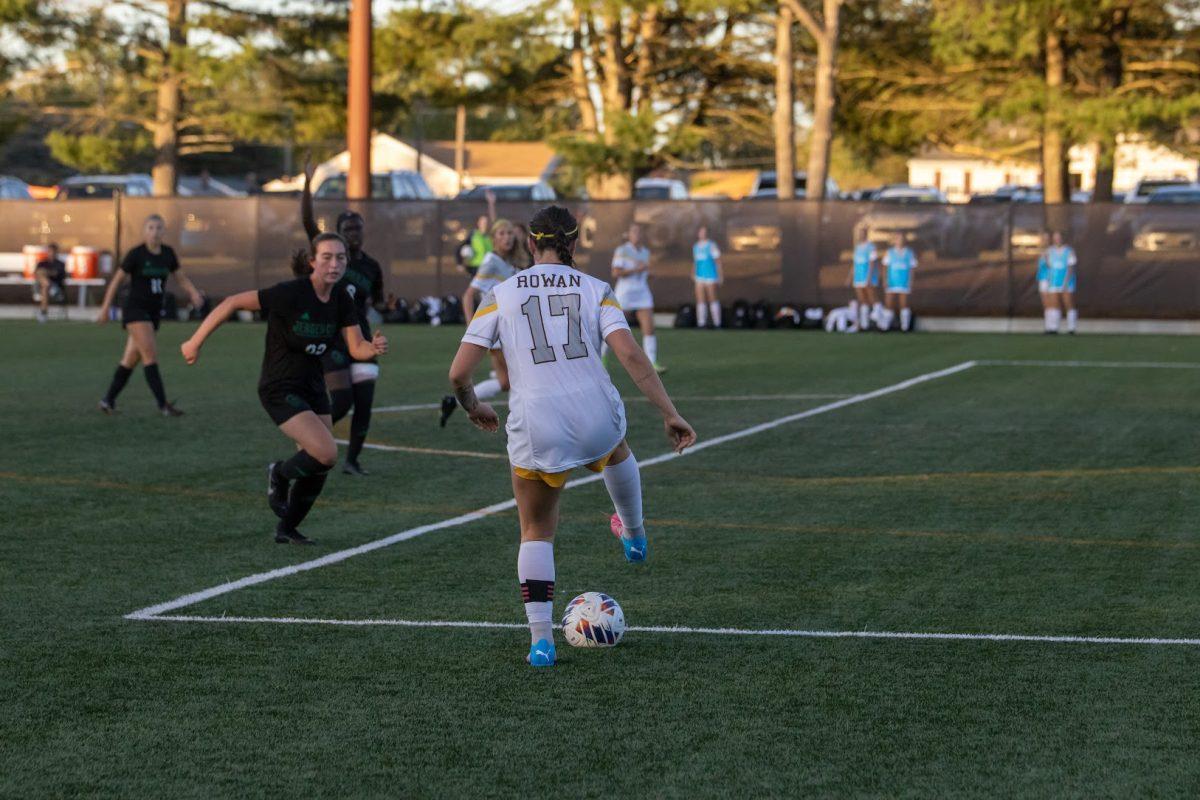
column 1135, row 261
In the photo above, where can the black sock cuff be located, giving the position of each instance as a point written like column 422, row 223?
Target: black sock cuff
column 124, row 371
column 537, row 591
column 303, row 465
column 150, row 369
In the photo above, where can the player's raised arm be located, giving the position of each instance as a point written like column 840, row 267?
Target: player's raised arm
column 635, row 362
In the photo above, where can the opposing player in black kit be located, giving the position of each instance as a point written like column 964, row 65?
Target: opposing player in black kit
column 305, row 317
column 351, row 382
column 147, row 267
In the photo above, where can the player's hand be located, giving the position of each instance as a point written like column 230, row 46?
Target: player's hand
column 485, row 418
column 380, row 343
column 190, row 350
column 679, row 433
column 309, row 169
column 102, row 316
column 197, row 301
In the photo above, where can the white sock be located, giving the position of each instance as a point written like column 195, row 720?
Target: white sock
column 650, row 345
column 702, row 315
column 714, row 308
column 1053, row 315
column 852, row 307
column 1072, row 318
column 486, row 390
column 905, row 318
column 624, row 484
column 864, row 317
column 535, row 571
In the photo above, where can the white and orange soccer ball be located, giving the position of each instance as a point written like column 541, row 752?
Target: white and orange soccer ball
column 593, row 619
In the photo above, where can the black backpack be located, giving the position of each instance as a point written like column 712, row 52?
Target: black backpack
column 741, row 315
column 452, row 310
column 685, row 317
column 760, row 315
column 399, row 312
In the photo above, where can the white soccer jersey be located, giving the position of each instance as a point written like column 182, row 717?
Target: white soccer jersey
column 550, row 319
column 633, row 291
column 492, row 271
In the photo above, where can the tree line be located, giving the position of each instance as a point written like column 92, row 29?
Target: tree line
column 617, row 88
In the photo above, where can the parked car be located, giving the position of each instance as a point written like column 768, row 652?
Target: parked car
column 660, row 189
column 538, row 192
column 88, row 187
column 918, row 213
column 13, row 188
column 1141, row 191
column 1171, row 222
column 767, row 186
column 398, row 184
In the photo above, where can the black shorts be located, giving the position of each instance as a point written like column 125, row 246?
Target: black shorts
column 335, row 360
column 283, row 403
column 139, row 314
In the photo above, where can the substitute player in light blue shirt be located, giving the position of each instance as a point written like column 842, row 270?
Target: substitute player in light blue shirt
column 865, row 277
column 1057, row 268
column 900, row 262
column 706, row 257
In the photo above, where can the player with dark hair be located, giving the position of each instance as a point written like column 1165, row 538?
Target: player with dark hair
column 565, row 411
column 51, row 276
column 305, row 317
column 351, row 382
column 147, row 267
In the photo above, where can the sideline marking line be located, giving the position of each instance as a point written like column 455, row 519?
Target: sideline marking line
column 1105, row 364
column 341, row 555
column 806, row 634
column 395, row 448
column 717, row 398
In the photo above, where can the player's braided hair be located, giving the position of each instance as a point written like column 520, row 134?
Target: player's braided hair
column 555, row 226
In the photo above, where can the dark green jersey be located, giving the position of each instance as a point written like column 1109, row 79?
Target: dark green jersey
column 300, row 328
column 148, row 273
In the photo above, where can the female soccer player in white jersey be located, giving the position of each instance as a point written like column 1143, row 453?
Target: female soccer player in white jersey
column 564, row 410
column 631, row 269
column 497, row 266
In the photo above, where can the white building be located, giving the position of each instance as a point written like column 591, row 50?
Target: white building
column 961, row 176
column 486, row 163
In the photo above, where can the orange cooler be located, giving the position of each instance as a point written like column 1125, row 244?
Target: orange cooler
column 84, row 262
column 34, row 253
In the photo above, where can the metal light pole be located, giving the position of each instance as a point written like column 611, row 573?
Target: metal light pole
column 358, row 105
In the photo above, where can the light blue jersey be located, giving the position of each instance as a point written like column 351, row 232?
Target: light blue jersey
column 864, row 265
column 900, row 263
column 1060, row 269
column 1043, row 272
column 705, row 254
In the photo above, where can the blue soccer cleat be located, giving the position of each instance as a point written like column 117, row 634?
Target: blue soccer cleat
column 541, row 654
column 637, row 548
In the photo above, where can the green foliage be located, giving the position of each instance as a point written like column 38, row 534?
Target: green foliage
column 117, row 151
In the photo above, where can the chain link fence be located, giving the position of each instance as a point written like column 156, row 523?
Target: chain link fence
column 1135, row 261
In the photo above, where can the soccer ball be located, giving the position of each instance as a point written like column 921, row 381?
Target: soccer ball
column 593, row 620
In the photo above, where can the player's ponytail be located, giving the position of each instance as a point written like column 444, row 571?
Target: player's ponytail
column 555, row 227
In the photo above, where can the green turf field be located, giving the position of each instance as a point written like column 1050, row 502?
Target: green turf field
column 1000, row 499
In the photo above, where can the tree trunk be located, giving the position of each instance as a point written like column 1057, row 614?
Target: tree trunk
column 642, row 95
column 1054, row 150
column 785, row 105
column 165, row 173
column 579, row 77
column 1112, row 75
column 825, row 33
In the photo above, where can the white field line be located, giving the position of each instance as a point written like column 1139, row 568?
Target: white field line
column 718, row 398
column 395, row 448
column 462, row 519
column 805, row 634
column 1100, row 364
